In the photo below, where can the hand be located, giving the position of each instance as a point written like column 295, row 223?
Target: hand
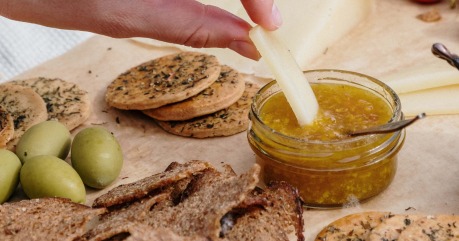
column 185, row 22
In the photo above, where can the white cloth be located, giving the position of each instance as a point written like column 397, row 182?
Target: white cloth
column 25, row 45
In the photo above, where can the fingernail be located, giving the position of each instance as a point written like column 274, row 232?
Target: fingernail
column 245, row 49
column 276, row 16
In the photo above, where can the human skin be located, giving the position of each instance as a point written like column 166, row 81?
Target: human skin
column 185, row 22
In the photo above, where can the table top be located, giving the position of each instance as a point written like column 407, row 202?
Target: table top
column 392, row 38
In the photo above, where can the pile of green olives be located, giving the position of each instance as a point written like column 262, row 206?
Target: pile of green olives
column 39, row 162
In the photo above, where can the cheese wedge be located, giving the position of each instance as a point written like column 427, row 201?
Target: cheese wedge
column 436, row 101
column 422, row 78
column 309, row 28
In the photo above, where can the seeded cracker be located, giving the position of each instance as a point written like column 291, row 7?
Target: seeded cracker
column 391, row 227
column 65, row 101
column 162, row 81
column 6, row 127
column 225, row 91
column 226, row 122
column 25, row 106
column 352, row 227
column 432, row 228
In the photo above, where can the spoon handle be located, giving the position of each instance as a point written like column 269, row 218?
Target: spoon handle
column 389, row 127
column 442, row 52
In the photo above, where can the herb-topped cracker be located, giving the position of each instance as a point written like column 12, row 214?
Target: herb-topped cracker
column 225, row 91
column 6, row 126
column 65, row 102
column 352, row 227
column 162, row 81
column 391, row 227
column 432, row 228
column 226, row 122
column 25, row 106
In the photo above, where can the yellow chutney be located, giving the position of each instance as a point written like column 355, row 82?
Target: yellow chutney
column 329, row 168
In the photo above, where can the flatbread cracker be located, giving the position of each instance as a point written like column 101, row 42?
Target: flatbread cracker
column 352, row 227
column 431, row 228
column 6, row 127
column 25, row 106
column 162, row 81
column 226, row 122
column 66, row 102
column 391, row 227
column 225, row 91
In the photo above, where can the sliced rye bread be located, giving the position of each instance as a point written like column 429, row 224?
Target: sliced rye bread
column 162, row 81
column 355, row 226
column 391, row 227
column 133, row 191
column 271, row 214
column 193, row 208
column 45, row 219
column 6, row 127
column 65, row 102
column 226, row 122
column 25, row 106
column 225, row 91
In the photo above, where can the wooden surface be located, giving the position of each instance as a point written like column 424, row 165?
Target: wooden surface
column 427, row 180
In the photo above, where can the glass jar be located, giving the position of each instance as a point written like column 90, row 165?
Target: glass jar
column 328, row 173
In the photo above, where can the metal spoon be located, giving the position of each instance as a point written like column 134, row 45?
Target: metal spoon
column 389, row 127
column 442, row 52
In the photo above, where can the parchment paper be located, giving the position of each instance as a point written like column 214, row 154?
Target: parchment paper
column 427, row 180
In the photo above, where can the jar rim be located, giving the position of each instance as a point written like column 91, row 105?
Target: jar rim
column 396, row 115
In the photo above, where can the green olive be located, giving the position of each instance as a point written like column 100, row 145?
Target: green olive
column 10, row 165
column 49, row 176
column 96, row 155
column 45, row 138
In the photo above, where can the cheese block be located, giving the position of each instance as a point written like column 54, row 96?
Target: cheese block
column 436, row 101
column 421, row 78
column 309, row 28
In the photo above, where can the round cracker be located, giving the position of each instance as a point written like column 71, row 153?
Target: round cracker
column 440, row 227
column 226, row 122
column 25, row 106
column 225, row 91
column 391, row 227
column 6, row 127
column 66, row 102
column 162, row 81
column 352, row 227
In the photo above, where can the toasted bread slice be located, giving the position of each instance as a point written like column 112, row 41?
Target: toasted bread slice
column 45, row 219
column 278, row 213
column 137, row 190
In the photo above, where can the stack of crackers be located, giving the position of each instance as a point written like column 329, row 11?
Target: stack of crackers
column 24, row 103
column 190, row 201
column 188, row 94
column 386, row 226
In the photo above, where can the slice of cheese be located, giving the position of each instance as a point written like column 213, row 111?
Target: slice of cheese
column 422, row 78
column 309, row 28
column 436, row 101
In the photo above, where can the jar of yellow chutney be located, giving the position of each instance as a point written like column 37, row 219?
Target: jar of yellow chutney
column 328, row 166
